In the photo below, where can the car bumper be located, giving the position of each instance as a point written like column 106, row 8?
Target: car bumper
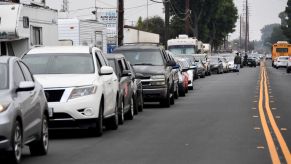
column 282, row 64
column 154, row 94
column 73, row 112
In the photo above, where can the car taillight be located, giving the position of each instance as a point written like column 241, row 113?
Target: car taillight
column 289, row 59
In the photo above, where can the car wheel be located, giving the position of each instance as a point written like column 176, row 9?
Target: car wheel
column 140, row 107
column 288, row 70
column 277, row 67
column 130, row 114
column 40, row 147
column 98, row 130
column 176, row 94
column 172, row 100
column 112, row 123
column 166, row 101
column 121, row 114
column 14, row 156
column 182, row 92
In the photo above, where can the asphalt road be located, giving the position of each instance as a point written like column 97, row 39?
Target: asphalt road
column 218, row 122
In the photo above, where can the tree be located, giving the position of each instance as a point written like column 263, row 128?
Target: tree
column 139, row 23
column 211, row 21
column 287, row 28
column 154, row 24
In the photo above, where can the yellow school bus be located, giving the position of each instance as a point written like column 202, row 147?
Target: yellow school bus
column 281, row 48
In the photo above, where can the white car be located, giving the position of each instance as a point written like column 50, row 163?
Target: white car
column 80, row 86
column 281, row 61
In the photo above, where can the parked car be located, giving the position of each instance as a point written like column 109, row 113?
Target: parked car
column 24, row 111
column 225, row 64
column 80, row 86
column 216, row 64
column 184, row 79
column 156, row 66
column 201, row 69
column 125, row 94
column 251, row 62
column 175, row 75
column 231, row 65
column 137, row 88
column 205, row 62
column 281, row 61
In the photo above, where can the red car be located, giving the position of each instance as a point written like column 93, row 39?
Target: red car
column 184, row 80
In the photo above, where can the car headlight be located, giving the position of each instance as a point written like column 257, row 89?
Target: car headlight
column 158, row 77
column 3, row 107
column 83, row 91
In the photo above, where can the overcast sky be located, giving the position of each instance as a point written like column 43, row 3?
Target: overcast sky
column 262, row 12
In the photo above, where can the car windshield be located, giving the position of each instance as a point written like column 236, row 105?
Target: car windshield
column 3, row 76
column 60, row 63
column 143, row 57
column 284, row 58
column 213, row 59
column 182, row 49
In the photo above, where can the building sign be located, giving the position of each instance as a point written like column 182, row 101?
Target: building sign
column 109, row 17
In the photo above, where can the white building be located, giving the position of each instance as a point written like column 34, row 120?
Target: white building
column 23, row 26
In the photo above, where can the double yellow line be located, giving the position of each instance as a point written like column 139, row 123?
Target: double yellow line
column 264, row 95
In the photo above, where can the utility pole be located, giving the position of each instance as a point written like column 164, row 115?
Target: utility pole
column 247, row 27
column 240, row 30
column 167, row 17
column 120, row 21
column 147, row 14
column 96, row 15
column 187, row 11
column 65, row 7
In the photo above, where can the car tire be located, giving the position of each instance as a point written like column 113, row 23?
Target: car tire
column 121, row 114
column 14, row 156
column 130, row 114
column 98, row 130
column 40, row 146
column 176, row 94
column 288, row 70
column 166, row 101
column 112, row 123
column 277, row 67
column 140, row 107
column 182, row 92
column 172, row 100
column 135, row 107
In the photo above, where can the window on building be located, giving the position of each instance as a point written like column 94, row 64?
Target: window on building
column 36, row 38
column 25, row 22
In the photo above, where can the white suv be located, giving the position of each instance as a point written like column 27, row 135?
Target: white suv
column 80, row 86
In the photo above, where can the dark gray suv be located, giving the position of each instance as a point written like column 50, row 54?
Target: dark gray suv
column 156, row 66
column 23, row 111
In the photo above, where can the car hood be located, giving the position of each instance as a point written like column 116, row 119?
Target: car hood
column 149, row 70
column 5, row 97
column 63, row 81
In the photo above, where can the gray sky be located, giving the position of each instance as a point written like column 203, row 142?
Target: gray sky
column 262, row 12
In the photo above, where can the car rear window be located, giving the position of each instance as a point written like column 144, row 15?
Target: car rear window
column 3, row 76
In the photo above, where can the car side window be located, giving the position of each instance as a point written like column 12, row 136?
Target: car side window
column 17, row 74
column 102, row 59
column 99, row 65
column 26, row 72
column 125, row 67
column 120, row 65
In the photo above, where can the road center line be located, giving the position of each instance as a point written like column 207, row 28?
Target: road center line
column 269, row 139
column 274, row 125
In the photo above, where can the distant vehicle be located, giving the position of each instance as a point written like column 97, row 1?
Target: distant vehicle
column 184, row 79
column 225, row 64
column 205, row 61
column 80, row 86
column 183, row 45
column 289, row 65
column 281, row 61
column 230, row 62
column 201, row 68
column 137, row 88
column 132, row 35
column 156, row 66
column 126, row 96
column 251, row 62
column 268, row 56
column 281, row 48
column 24, row 111
column 216, row 64
column 206, row 48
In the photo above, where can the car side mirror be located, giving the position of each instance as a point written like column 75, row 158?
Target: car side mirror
column 171, row 63
column 176, row 66
column 126, row 73
column 106, row 70
column 139, row 76
column 26, row 86
column 185, row 69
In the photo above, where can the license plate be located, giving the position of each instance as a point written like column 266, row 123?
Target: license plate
column 250, row 63
column 51, row 112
